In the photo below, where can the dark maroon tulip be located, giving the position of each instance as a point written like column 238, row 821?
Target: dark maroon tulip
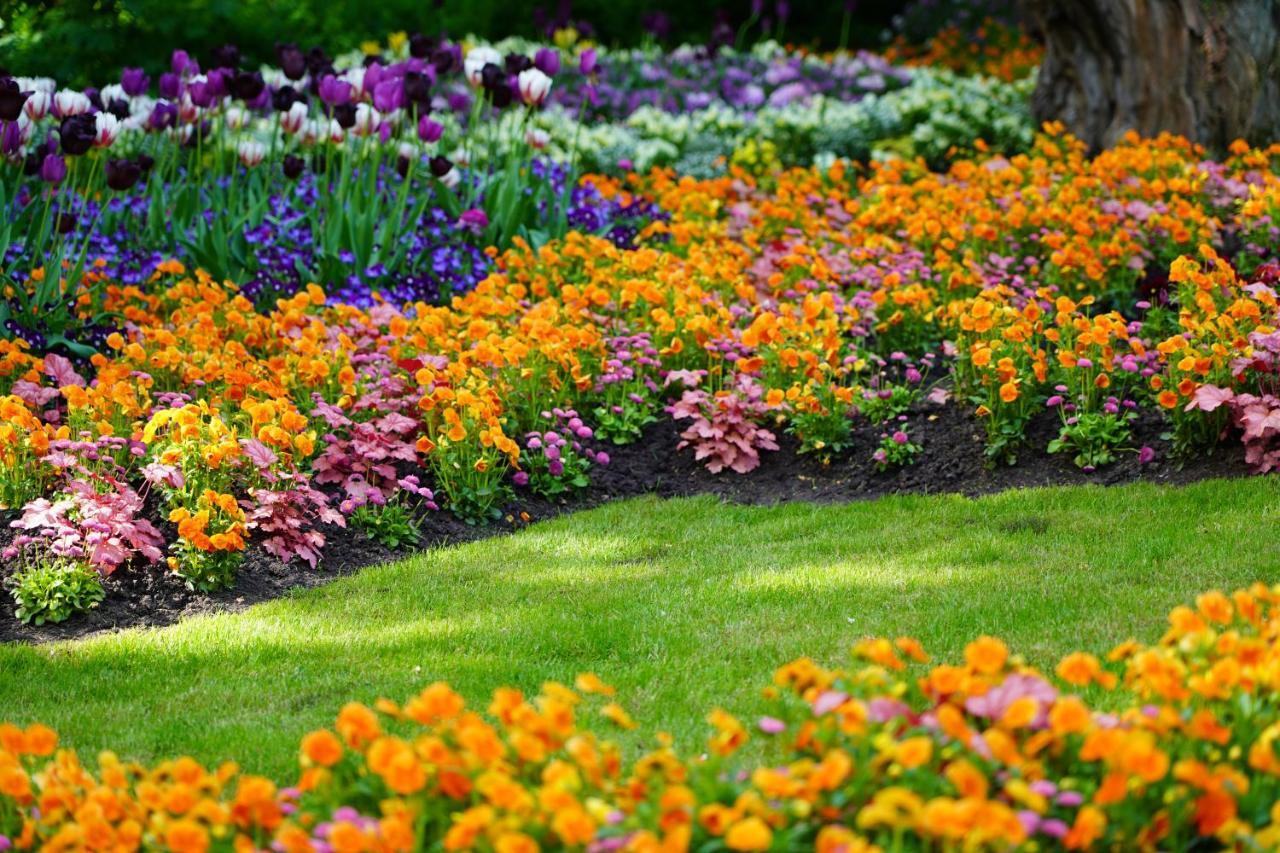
column 134, row 81
column 119, row 108
column 11, row 99
column 246, row 85
column 292, row 61
column 446, row 58
column 420, row 46
column 517, row 62
column 318, row 62
column 417, row 88
column 145, row 162
column 65, row 223
column 345, row 115
column 440, row 166
column 491, row 77
column 227, row 56
column 402, row 166
column 122, row 174
column 284, row 97
column 501, row 95
column 77, row 133
column 292, row 166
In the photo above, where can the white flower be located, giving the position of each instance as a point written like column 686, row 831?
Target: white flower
column 251, row 152
column 451, row 178
column 477, row 59
column 71, row 103
column 367, row 120
column 113, row 92
column 293, row 119
column 108, row 128
column 237, row 118
column 37, row 106
column 538, row 138
column 534, row 86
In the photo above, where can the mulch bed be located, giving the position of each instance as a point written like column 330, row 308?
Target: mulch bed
column 951, row 462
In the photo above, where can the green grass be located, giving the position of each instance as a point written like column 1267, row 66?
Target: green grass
column 684, row 605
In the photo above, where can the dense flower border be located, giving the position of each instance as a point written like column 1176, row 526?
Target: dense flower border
column 890, row 754
column 796, row 301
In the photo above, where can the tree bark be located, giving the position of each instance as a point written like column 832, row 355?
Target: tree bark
column 1205, row 69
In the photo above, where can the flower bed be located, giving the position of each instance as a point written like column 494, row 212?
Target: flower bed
column 825, row 306
column 894, row 752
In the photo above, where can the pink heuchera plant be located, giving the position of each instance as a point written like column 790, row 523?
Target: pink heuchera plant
column 725, row 432
column 102, row 531
column 1257, row 416
column 287, row 517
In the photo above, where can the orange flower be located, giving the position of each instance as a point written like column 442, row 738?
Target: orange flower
column 322, row 748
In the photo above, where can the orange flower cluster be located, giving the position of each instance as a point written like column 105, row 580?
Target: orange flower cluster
column 987, row 753
column 993, row 49
column 1021, row 263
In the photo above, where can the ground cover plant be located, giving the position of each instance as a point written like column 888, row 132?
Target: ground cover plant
column 598, row 591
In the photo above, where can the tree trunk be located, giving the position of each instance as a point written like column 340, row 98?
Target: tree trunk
column 1205, row 69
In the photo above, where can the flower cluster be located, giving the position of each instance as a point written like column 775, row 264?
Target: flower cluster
column 893, row 752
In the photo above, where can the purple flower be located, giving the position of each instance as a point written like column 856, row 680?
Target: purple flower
column 134, row 81
column 587, row 61
column 429, row 130
column 899, row 437
column 547, row 60
column 333, row 91
column 1146, row 455
column 388, row 95
column 474, row 220
column 520, row 478
column 53, row 169
column 170, row 86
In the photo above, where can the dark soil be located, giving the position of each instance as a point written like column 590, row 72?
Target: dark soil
column 952, row 461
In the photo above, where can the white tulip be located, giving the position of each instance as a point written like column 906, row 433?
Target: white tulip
column 71, row 103
column 534, row 86
column 251, row 152
column 107, row 129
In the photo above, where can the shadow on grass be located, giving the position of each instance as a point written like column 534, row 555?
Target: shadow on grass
column 684, row 605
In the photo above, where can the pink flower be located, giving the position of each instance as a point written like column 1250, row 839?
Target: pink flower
column 771, row 725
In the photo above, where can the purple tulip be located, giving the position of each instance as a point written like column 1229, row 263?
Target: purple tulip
column 53, row 169
column 587, row 61
column 170, row 86
column 10, row 138
column 547, row 60
column 429, row 130
column 134, row 81
column 182, row 63
column 333, row 91
column 201, row 93
column 388, row 95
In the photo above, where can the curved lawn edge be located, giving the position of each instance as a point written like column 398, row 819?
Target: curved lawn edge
column 952, row 462
column 684, row 605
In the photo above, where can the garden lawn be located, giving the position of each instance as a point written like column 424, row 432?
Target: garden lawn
column 683, row 605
